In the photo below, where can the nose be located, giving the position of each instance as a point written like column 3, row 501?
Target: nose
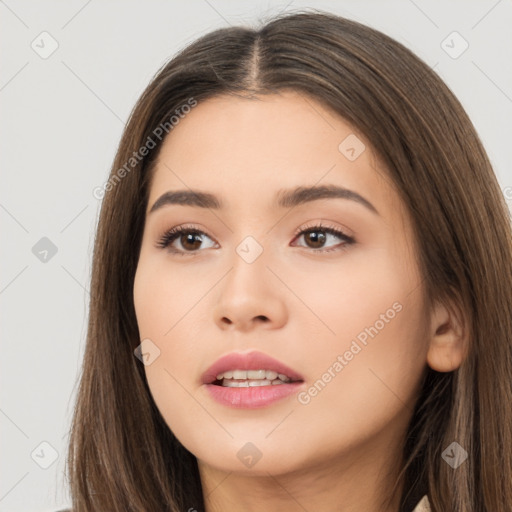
column 250, row 296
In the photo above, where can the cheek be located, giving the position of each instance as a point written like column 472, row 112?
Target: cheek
column 164, row 306
column 163, row 298
column 345, row 298
column 370, row 347
column 366, row 382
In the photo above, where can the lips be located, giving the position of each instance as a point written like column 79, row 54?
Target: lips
column 248, row 361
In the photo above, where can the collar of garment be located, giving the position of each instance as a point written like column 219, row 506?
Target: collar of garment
column 423, row 505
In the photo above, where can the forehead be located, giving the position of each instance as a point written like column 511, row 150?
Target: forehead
column 247, row 149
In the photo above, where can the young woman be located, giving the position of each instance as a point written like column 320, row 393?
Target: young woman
column 302, row 291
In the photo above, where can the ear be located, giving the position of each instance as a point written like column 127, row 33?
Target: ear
column 448, row 338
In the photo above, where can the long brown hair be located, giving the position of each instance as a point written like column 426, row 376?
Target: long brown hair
column 122, row 455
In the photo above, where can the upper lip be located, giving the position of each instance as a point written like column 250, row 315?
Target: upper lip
column 247, row 361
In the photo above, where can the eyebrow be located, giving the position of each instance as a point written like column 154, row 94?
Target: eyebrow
column 284, row 198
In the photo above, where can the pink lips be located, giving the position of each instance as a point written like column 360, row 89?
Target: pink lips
column 250, row 397
column 249, row 361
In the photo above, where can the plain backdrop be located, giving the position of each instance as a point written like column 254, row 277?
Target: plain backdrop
column 71, row 73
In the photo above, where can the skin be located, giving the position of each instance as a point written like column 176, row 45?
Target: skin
column 341, row 450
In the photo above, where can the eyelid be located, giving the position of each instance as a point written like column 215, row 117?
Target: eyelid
column 330, row 229
column 319, row 224
column 164, row 240
column 170, row 235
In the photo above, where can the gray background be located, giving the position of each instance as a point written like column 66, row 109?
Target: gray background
column 62, row 118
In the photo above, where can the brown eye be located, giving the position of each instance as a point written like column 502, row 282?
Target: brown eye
column 188, row 240
column 316, row 239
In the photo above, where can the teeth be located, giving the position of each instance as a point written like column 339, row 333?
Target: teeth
column 254, row 383
column 231, row 383
column 256, row 375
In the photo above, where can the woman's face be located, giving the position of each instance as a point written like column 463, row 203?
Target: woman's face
column 338, row 306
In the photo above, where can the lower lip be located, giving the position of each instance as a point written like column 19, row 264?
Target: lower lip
column 252, row 397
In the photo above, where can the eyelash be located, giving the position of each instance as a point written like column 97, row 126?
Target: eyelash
column 172, row 234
